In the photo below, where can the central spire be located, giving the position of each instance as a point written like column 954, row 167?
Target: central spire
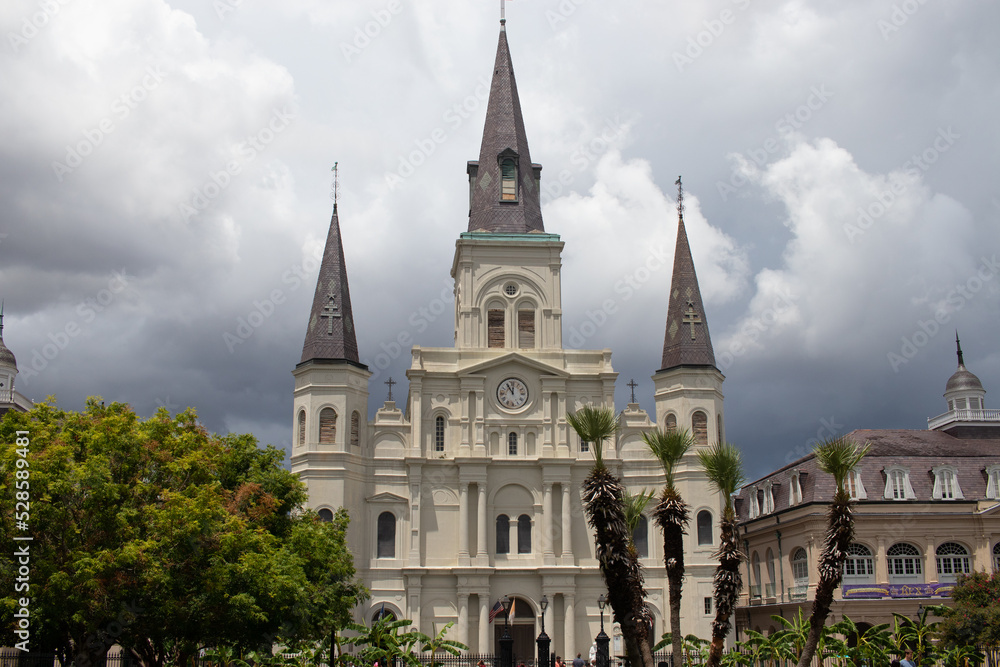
column 503, row 184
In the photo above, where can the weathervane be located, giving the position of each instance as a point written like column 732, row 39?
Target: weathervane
column 680, row 199
column 335, row 188
column 503, row 21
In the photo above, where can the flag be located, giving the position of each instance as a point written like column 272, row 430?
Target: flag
column 497, row 608
column 513, row 604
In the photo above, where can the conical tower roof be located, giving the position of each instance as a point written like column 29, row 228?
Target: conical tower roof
column 6, row 356
column 686, row 341
column 504, row 138
column 330, row 335
column 962, row 379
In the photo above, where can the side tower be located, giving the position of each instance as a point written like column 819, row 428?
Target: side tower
column 967, row 416
column 688, row 386
column 9, row 398
column 330, row 418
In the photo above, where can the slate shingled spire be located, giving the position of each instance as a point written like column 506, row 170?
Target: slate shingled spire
column 515, row 210
column 330, row 335
column 686, row 342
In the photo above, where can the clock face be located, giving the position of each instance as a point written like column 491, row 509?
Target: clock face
column 512, row 393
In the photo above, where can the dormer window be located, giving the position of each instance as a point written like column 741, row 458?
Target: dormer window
column 768, row 498
column 946, row 483
column 754, row 503
column 855, row 487
column 795, row 489
column 993, row 482
column 508, row 180
column 897, row 484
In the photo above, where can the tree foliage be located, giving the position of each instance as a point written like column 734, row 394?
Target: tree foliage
column 166, row 539
column 975, row 616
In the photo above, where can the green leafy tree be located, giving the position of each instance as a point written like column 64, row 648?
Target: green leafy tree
column 166, row 539
column 873, row 646
column 439, row 643
column 975, row 616
column 838, row 458
column 603, row 495
column 669, row 447
column 917, row 635
column 723, row 466
column 387, row 640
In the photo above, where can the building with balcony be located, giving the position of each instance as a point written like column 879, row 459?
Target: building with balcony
column 10, row 398
column 927, row 509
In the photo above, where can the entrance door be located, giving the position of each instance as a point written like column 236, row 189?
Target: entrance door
column 524, row 643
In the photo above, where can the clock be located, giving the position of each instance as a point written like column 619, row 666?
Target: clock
column 512, row 393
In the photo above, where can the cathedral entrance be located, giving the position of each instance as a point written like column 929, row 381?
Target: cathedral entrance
column 522, row 629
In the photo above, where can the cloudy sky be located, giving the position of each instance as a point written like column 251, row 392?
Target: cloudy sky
column 165, row 178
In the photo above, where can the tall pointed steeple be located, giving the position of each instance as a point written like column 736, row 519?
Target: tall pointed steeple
column 686, row 341
column 330, row 335
column 504, row 196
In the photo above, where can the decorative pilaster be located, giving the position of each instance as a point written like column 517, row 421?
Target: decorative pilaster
column 463, row 525
column 567, row 537
column 481, row 555
column 569, row 626
column 484, row 624
column 548, row 535
column 463, row 617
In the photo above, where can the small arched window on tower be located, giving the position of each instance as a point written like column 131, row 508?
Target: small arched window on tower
column 704, row 528
column 512, row 444
column 386, row 535
column 327, row 426
column 699, row 426
column 302, row 427
column 325, row 515
column 508, row 180
column 439, row 434
column 524, row 534
column 670, row 422
column 640, row 537
column 526, row 328
column 355, row 429
column 503, row 534
column 494, row 328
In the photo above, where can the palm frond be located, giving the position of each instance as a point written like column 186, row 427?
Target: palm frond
column 669, row 447
column 594, row 425
column 839, row 457
column 634, row 505
column 723, row 466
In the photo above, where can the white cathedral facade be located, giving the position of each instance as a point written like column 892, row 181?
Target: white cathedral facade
column 471, row 488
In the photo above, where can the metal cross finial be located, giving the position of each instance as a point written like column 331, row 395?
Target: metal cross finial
column 691, row 317
column 335, row 188
column 680, row 198
column 390, row 382
column 330, row 311
column 632, row 383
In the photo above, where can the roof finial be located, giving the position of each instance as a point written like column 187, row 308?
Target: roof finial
column 1, row 320
column 503, row 20
column 958, row 344
column 680, row 199
column 335, row 188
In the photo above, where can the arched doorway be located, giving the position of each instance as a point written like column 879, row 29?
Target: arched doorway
column 522, row 630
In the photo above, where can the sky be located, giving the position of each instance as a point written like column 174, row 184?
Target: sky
column 165, row 191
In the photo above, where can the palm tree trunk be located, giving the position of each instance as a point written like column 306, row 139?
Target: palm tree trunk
column 602, row 498
column 728, row 584
column 839, row 536
column 672, row 516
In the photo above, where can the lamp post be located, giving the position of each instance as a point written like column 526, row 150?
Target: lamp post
column 506, row 641
column 543, row 640
column 602, row 640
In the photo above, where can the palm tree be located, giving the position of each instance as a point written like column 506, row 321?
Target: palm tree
column 669, row 447
column 603, row 495
column 837, row 457
column 723, row 466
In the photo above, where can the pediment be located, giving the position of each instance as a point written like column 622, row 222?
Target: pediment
column 514, row 358
column 386, row 497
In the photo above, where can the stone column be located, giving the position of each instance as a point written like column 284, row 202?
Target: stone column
column 463, row 618
column 484, row 624
column 881, row 564
column 481, row 547
column 567, row 535
column 463, row 525
column 548, row 535
column 569, row 628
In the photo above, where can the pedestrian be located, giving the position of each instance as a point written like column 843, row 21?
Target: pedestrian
column 578, row 661
column 559, row 662
column 907, row 660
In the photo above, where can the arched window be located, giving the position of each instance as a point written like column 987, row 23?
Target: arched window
column 770, row 587
column 512, row 444
column 859, row 568
column 800, row 573
column 718, row 429
column 524, row 534
column 946, row 485
column 704, row 528
column 355, row 429
column 386, row 535
column 526, row 328
column 494, row 328
column 996, row 557
column 381, row 613
column 503, row 534
column 756, row 586
column 508, row 180
column 905, row 565
column 325, row 515
column 699, row 427
column 670, row 422
column 302, row 427
column 952, row 560
column 439, row 434
column 640, row 537
column 327, row 426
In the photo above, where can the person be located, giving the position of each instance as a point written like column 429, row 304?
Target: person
column 481, row 664
column 559, row 662
column 578, row 661
column 907, row 660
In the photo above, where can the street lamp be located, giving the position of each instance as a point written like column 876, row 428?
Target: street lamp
column 506, row 641
column 602, row 640
column 543, row 640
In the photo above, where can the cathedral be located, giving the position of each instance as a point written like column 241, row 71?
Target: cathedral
column 470, row 488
